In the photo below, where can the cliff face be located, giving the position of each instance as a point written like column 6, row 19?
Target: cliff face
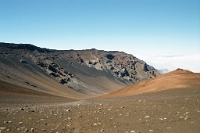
column 87, row 71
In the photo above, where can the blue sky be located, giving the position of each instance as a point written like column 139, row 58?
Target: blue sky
column 144, row 28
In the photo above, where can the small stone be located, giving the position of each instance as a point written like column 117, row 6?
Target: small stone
column 186, row 117
column 2, row 128
column 32, row 129
column 67, row 110
column 187, row 113
column 168, row 127
column 26, row 130
column 102, row 130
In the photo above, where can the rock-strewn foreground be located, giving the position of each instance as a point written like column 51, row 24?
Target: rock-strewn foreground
column 169, row 111
column 42, row 95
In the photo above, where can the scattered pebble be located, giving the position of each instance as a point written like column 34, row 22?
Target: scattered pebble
column 2, row 128
column 67, row 110
column 32, row 129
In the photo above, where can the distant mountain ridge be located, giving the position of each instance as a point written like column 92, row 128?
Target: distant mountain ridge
column 88, row 71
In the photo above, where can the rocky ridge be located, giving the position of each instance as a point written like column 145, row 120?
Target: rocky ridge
column 81, row 70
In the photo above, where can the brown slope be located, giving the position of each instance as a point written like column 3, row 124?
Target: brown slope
column 11, row 89
column 177, row 79
column 14, row 94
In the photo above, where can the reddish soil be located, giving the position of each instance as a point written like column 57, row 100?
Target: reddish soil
column 177, row 79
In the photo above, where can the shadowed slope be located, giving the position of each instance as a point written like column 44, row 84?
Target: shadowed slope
column 30, row 78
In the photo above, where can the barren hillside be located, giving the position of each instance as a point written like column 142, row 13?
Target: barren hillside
column 70, row 73
column 177, row 79
column 43, row 90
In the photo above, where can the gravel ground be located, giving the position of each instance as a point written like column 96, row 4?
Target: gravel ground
column 174, row 111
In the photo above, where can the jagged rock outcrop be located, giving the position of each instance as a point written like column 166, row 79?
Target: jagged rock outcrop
column 86, row 71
